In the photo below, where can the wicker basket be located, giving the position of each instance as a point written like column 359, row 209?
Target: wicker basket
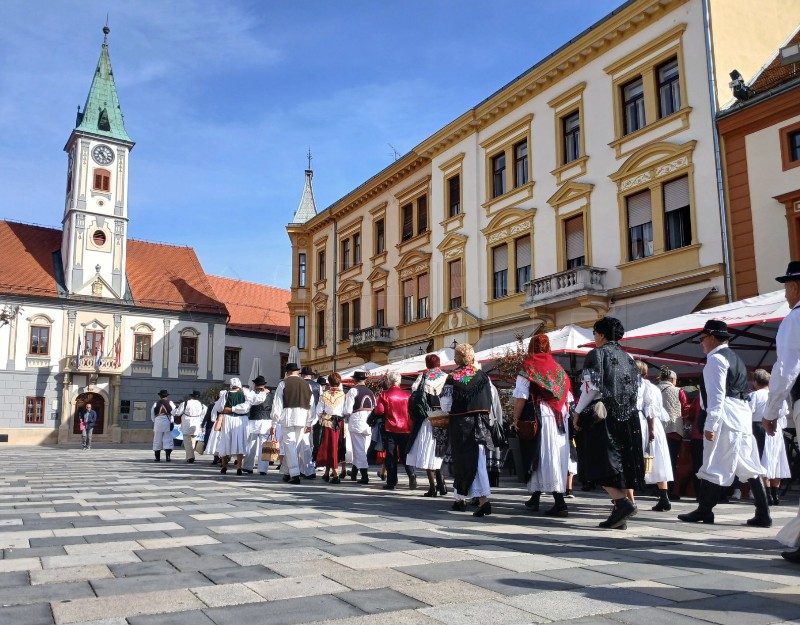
column 270, row 451
column 648, row 464
column 439, row 419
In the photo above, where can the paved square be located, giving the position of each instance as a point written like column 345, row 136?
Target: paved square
column 108, row 536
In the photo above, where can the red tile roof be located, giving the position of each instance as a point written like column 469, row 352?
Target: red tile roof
column 776, row 74
column 254, row 307
column 159, row 276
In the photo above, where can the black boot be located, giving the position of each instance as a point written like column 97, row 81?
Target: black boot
column 168, row 452
column 792, row 556
column 773, row 494
column 354, row 473
column 623, row 510
column 440, row 486
column 663, row 501
column 559, row 508
column 364, row 477
column 158, row 456
column 533, row 502
column 706, row 500
column 762, row 517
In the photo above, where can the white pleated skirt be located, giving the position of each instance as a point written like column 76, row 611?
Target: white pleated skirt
column 232, row 438
column 776, row 466
column 551, row 474
column 423, row 452
column 662, row 464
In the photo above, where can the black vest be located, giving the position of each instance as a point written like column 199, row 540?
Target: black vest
column 735, row 382
column 261, row 411
column 316, row 389
column 365, row 399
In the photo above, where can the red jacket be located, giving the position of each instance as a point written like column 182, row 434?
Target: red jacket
column 393, row 405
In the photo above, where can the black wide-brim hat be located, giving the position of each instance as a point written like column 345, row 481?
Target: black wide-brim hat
column 306, row 371
column 792, row 272
column 716, row 328
column 163, row 393
column 292, row 366
column 195, row 394
column 260, row 381
column 360, row 375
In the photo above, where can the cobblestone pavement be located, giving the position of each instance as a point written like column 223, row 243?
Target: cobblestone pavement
column 108, row 536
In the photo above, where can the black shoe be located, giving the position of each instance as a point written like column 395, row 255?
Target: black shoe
column 442, row 490
column 354, row 474
column 412, row 482
column 533, row 502
column 558, row 510
column 698, row 516
column 249, row 471
column 387, row 487
column 169, row 459
column 223, row 470
column 363, row 480
column 431, row 492
column 623, row 510
column 792, row 556
column 262, row 472
column 459, row 506
column 295, row 480
column 327, row 478
column 216, row 460
column 381, row 475
column 663, row 504
column 762, row 517
column 190, row 460
column 240, row 471
column 484, row 509
column 286, row 478
column 335, row 480
column 475, row 501
column 313, row 476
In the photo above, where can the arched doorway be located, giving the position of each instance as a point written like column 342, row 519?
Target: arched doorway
column 98, row 405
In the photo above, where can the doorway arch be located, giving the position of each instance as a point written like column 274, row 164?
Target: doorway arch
column 98, row 405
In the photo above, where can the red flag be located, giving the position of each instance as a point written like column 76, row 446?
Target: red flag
column 116, row 353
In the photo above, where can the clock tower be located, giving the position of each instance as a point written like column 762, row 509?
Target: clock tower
column 94, row 243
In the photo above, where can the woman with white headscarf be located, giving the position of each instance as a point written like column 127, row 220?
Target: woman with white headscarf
column 232, row 409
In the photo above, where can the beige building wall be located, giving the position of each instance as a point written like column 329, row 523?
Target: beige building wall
column 746, row 34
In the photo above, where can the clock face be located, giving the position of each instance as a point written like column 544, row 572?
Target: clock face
column 103, row 155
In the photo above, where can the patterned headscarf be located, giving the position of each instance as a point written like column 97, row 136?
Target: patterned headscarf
column 548, row 378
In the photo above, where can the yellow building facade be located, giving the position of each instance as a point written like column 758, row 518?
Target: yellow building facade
column 587, row 186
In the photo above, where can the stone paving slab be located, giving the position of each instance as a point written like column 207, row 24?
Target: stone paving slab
column 227, row 549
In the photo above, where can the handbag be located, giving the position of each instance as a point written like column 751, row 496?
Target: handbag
column 81, row 425
column 199, row 447
column 648, row 458
column 499, row 439
column 528, row 424
column 270, row 450
column 171, row 426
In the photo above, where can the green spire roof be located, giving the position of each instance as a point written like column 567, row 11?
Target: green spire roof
column 101, row 114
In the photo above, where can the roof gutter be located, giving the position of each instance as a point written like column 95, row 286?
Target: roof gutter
column 723, row 213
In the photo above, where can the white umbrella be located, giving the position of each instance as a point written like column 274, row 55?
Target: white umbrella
column 255, row 370
column 294, row 355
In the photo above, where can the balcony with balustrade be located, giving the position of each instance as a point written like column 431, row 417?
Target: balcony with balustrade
column 566, row 287
column 90, row 364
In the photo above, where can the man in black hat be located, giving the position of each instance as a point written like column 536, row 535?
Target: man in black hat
column 784, row 386
column 259, row 424
column 729, row 449
column 308, row 466
column 293, row 410
column 358, row 404
column 161, row 416
column 191, row 413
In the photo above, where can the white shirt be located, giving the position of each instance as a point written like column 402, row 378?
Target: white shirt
column 787, row 366
column 350, row 402
column 735, row 413
column 292, row 417
column 193, row 408
column 153, row 414
column 758, row 403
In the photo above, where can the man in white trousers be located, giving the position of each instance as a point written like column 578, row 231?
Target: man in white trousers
column 293, row 410
column 358, row 404
column 729, row 448
column 259, row 424
column 191, row 413
column 784, row 386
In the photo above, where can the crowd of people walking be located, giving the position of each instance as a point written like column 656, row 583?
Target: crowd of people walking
column 616, row 429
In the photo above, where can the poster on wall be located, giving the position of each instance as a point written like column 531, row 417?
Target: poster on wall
column 140, row 411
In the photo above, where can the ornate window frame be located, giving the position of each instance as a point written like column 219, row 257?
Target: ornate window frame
column 189, row 332
column 411, row 195
column 378, row 213
column 142, row 329
column 346, row 233
column 412, row 265
column 452, row 248
column 572, row 200
column 40, row 320
column 451, row 168
column 348, row 291
column 565, row 105
column 503, row 142
column 504, row 229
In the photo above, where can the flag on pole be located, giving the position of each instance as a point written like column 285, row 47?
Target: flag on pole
column 99, row 358
column 116, row 353
column 78, row 354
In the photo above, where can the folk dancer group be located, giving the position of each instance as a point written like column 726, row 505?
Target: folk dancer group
column 620, row 417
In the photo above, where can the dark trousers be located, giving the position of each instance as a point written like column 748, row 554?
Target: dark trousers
column 395, row 445
column 674, row 445
column 760, row 434
column 697, row 462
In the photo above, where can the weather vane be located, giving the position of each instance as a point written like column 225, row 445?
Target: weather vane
column 309, row 157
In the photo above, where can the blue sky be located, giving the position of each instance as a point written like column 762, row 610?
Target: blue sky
column 224, row 99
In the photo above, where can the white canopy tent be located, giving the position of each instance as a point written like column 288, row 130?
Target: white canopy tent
column 347, row 374
column 567, row 340
column 753, row 322
column 413, row 365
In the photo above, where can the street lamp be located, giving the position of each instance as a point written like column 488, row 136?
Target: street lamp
column 454, row 344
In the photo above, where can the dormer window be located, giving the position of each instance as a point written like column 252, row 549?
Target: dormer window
column 102, row 180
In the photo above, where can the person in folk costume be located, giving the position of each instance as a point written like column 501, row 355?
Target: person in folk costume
column 293, row 411
column 423, row 444
column 784, row 387
column 329, row 417
column 653, row 435
column 308, row 468
column 469, row 430
column 191, row 413
column 212, row 435
column 161, row 416
column 544, row 388
column 316, row 430
column 392, row 404
column 232, row 407
column 773, row 456
column 259, row 424
column 608, row 416
column 729, row 448
column 677, row 407
column 358, row 404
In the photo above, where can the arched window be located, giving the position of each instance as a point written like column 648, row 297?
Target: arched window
column 189, row 346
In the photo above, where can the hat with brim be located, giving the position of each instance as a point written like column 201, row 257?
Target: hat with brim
column 306, row 371
column 196, row 394
column 260, row 380
column 716, row 328
column 163, row 393
column 792, row 272
column 292, row 366
column 360, row 375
